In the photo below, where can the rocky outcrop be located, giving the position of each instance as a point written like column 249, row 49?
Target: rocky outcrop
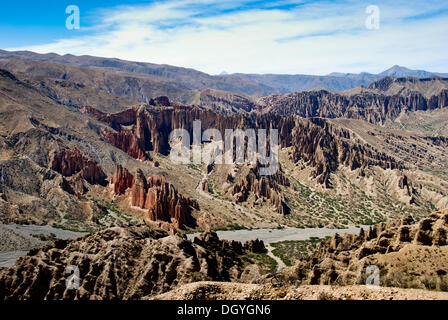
column 121, row 138
column 114, row 120
column 326, row 148
column 122, row 180
column 369, row 106
column 255, row 246
column 69, row 162
column 119, row 263
column 262, row 188
column 165, row 203
column 204, row 186
column 155, row 194
column 126, row 141
column 35, row 194
column 438, row 141
column 160, row 101
column 212, row 241
column 315, row 141
column 401, row 250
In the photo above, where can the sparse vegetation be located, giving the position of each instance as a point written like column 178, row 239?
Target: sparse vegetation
column 265, row 262
column 291, row 251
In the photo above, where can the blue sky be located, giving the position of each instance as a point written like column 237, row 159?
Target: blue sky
column 251, row 36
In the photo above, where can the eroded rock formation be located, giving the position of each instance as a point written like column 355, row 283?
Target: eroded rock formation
column 401, row 250
column 315, row 141
column 373, row 106
column 155, row 194
column 126, row 141
column 69, row 162
column 326, row 147
column 263, row 188
column 122, row 180
column 119, row 263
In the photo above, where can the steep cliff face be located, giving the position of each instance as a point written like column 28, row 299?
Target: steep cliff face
column 165, row 203
column 114, row 120
column 155, row 194
column 121, row 138
column 126, row 141
column 122, row 180
column 263, row 188
column 148, row 128
column 69, row 162
column 326, row 147
column 315, row 141
column 369, row 106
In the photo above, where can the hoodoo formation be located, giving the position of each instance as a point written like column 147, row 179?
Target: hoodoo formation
column 156, row 195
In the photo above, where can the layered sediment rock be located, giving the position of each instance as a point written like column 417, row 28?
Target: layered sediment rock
column 326, row 148
column 122, row 180
column 155, row 194
column 127, row 142
column 315, row 141
column 69, row 162
column 165, row 203
column 262, row 187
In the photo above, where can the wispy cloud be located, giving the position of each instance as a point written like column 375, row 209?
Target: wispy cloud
column 315, row 37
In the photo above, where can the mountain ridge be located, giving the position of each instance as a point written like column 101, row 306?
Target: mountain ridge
column 249, row 84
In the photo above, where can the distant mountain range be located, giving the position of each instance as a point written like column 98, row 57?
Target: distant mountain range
column 185, row 79
column 395, row 71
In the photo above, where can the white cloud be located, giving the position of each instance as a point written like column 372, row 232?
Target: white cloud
column 313, row 38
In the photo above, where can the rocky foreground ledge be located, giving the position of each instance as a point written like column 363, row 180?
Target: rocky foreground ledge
column 123, row 263
column 405, row 254
column 244, row 291
column 143, row 262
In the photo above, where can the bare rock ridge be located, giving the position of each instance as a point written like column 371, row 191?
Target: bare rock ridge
column 262, row 187
column 71, row 161
column 155, row 79
column 372, row 105
column 122, row 180
column 155, row 194
column 400, row 249
column 122, row 263
column 326, row 148
column 314, row 141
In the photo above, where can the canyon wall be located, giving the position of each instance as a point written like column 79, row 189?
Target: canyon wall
column 157, row 196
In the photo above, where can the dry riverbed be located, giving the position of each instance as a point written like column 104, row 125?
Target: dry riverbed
column 17, row 240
